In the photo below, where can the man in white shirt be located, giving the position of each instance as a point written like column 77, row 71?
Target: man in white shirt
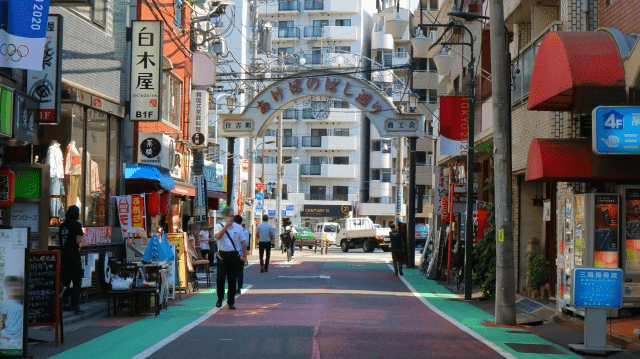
column 203, row 244
column 266, row 234
column 230, row 242
column 238, row 220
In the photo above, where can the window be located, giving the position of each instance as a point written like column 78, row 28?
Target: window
column 290, row 114
column 95, row 13
column 318, row 193
column 375, row 175
column 306, row 114
column 177, row 5
column 282, row 24
column 271, row 132
column 343, row 48
column 431, row 65
column 432, row 97
column 316, row 132
column 171, row 99
column 285, row 193
column 386, row 175
column 341, row 132
column 340, row 193
column 429, row 158
column 343, row 22
column 341, row 160
column 433, row 5
column 340, row 104
column 286, row 159
column 313, row 4
column 379, row 145
column 96, row 168
column 421, row 158
column 283, row 50
column 456, row 85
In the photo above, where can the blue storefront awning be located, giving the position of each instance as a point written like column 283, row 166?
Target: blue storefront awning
column 150, row 173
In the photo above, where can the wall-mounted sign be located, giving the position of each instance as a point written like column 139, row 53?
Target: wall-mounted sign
column 597, row 288
column 146, row 70
column 454, row 125
column 616, row 130
column 394, row 125
column 22, row 37
column 199, row 117
column 238, row 126
column 314, row 210
column 6, row 107
column 44, row 85
column 204, row 69
column 26, row 215
column 26, row 118
column 157, row 149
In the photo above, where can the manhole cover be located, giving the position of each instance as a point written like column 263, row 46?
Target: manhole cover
column 534, row 348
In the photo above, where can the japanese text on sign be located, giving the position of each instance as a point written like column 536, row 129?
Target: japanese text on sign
column 199, row 121
column 146, row 70
column 597, row 288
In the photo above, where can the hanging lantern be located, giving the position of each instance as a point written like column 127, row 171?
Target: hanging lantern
column 153, row 203
column 7, row 187
column 165, row 203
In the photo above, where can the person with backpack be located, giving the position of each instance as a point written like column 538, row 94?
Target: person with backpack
column 291, row 231
column 230, row 242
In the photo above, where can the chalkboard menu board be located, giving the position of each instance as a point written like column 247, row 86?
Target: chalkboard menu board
column 44, row 288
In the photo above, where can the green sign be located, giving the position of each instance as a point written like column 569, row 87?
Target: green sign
column 27, row 183
column 6, row 106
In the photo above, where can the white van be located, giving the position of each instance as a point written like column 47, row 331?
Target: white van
column 326, row 228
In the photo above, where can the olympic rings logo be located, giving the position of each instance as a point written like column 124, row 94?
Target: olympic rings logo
column 13, row 53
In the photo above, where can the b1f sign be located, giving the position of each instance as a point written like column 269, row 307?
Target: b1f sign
column 146, row 70
column 199, row 117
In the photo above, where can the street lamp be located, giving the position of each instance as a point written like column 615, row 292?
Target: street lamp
column 413, row 102
column 421, row 44
column 397, row 26
column 231, row 103
column 444, row 62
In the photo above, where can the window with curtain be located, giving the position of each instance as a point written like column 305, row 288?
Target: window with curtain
column 171, row 99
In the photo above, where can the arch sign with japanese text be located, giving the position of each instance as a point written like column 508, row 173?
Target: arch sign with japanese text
column 318, row 86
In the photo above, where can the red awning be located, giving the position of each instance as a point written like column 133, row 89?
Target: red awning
column 572, row 160
column 576, row 71
column 184, row 189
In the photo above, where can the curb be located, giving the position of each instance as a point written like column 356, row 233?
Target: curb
column 612, row 338
column 96, row 310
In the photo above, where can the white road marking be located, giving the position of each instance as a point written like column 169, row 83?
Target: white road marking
column 305, row 276
column 159, row 345
column 461, row 326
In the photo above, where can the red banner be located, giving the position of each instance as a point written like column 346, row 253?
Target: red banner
column 454, row 117
column 96, row 235
column 137, row 211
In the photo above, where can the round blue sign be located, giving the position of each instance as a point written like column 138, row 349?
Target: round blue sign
column 259, row 196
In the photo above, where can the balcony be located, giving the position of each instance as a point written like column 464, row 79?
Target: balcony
column 343, row 115
column 290, row 142
column 328, row 171
column 312, row 31
column 380, row 40
column 330, row 6
column 424, row 80
column 384, row 76
column 424, row 175
column 379, row 189
column 400, row 58
column 311, row 141
column 339, row 143
column 289, row 7
column 288, row 33
column 378, row 159
column 341, row 32
column 329, row 195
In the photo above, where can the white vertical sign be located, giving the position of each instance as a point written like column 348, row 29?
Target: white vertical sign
column 146, row 70
column 199, row 117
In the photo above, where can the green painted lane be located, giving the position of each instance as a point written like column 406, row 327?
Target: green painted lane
column 128, row 341
column 473, row 317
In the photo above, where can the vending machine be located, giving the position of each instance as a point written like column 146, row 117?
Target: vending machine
column 591, row 238
column 630, row 245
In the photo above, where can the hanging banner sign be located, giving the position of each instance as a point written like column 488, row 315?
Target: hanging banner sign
column 157, row 149
column 137, row 211
column 25, row 118
column 146, row 70
column 124, row 213
column 44, row 86
column 22, row 36
column 199, row 117
column 454, row 125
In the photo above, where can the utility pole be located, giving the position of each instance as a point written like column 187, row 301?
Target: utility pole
column 399, row 167
column 252, row 169
column 411, row 203
column 505, row 308
column 279, row 171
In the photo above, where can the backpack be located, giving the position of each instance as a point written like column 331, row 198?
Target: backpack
column 286, row 237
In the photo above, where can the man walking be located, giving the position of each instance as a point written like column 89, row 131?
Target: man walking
column 70, row 236
column 245, row 238
column 266, row 234
column 230, row 239
column 397, row 239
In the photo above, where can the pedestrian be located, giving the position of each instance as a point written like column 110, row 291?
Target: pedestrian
column 203, row 243
column 397, row 239
column 70, row 236
column 266, row 234
column 245, row 237
column 230, row 241
column 288, row 227
column 402, row 227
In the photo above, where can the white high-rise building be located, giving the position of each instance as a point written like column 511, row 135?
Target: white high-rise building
column 323, row 153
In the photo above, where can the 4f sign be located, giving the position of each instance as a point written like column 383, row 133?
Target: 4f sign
column 614, row 121
column 146, row 70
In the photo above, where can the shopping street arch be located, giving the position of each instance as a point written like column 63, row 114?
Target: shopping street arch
column 314, row 86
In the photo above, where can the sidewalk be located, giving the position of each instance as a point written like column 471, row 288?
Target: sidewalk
column 540, row 318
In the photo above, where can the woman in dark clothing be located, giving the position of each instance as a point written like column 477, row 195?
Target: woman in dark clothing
column 70, row 236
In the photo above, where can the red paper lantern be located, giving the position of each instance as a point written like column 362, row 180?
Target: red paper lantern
column 165, row 202
column 7, row 187
column 153, row 203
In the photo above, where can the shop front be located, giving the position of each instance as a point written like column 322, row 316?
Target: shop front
column 597, row 190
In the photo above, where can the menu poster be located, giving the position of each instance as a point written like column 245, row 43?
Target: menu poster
column 179, row 240
column 44, row 288
column 13, row 323
column 606, row 231
column 632, row 198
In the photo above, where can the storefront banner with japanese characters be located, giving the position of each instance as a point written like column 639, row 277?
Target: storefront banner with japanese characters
column 137, row 211
column 146, row 71
column 157, row 149
column 124, row 213
column 44, row 85
column 199, row 117
column 96, row 235
column 22, row 34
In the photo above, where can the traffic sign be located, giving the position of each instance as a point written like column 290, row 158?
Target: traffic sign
column 239, row 201
column 259, row 196
column 259, row 187
column 245, row 164
column 616, row 130
column 259, row 207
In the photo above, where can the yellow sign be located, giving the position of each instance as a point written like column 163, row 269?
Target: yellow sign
column 178, row 240
column 501, row 235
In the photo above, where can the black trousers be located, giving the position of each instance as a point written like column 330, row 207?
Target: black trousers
column 264, row 247
column 240, row 274
column 72, row 272
column 228, row 270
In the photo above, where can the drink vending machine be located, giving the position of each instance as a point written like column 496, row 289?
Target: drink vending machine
column 630, row 245
column 591, row 238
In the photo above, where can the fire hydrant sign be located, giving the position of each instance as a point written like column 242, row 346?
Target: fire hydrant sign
column 597, row 287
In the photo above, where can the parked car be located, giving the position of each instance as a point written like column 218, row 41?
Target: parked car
column 328, row 229
column 305, row 237
column 422, row 233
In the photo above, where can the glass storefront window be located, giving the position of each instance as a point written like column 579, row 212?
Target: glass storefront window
column 114, row 140
column 73, row 157
column 95, row 180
